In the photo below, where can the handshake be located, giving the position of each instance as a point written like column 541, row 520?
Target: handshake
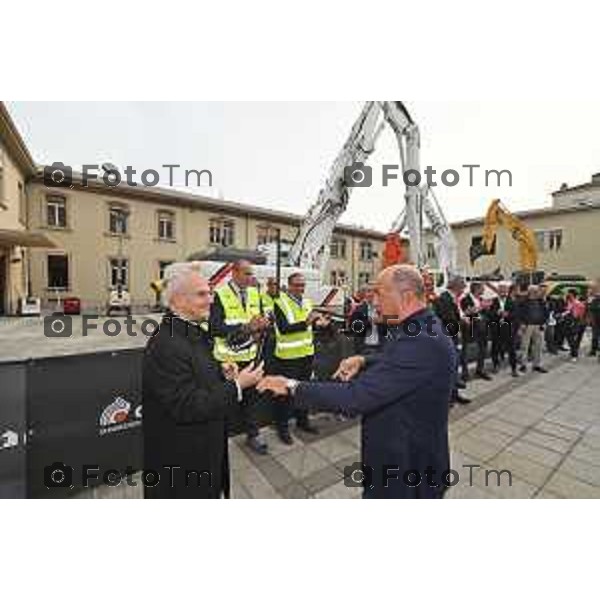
column 253, row 376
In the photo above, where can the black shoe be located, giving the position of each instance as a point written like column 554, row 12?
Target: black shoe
column 461, row 385
column 523, row 368
column 285, row 437
column 540, row 370
column 515, row 373
column 306, row 426
column 257, row 445
column 495, row 369
column 462, row 400
column 592, row 354
column 483, row 375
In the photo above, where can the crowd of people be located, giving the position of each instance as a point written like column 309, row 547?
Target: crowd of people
column 219, row 350
column 495, row 326
column 512, row 325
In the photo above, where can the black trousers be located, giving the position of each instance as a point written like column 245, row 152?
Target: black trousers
column 481, row 340
column 300, row 369
column 504, row 343
column 249, row 408
column 575, row 333
column 595, row 337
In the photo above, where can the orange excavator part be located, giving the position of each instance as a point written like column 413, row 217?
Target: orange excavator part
column 393, row 253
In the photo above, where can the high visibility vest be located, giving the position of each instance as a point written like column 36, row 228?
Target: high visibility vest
column 289, row 346
column 235, row 314
column 268, row 303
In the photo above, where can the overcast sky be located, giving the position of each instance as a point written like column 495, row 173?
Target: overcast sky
column 277, row 154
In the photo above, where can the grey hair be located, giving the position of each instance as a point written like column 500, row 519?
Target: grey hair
column 456, row 282
column 176, row 279
column 408, row 279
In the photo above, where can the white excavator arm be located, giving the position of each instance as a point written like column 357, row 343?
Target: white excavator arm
column 317, row 229
column 311, row 247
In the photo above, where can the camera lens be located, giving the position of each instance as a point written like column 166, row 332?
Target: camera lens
column 58, row 476
column 358, row 176
column 357, row 476
column 57, row 176
column 61, row 326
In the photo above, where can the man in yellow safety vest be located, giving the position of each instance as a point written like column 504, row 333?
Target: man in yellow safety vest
column 294, row 349
column 235, row 320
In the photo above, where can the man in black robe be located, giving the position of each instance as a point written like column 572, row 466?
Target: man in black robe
column 187, row 398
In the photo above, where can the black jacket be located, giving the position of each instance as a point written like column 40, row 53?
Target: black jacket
column 403, row 399
column 361, row 327
column 446, row 308
column 186, row 404
column 534, row 312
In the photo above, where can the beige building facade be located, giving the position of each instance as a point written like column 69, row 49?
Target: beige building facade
column 109, row 236
column 16, row 168
column 567, row 235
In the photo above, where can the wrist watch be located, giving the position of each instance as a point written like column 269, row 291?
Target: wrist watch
column 292, row 385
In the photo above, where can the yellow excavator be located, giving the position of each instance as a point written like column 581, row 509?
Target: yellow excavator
column 499, row 216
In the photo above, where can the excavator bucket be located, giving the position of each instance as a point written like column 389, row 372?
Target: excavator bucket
column 393, row 253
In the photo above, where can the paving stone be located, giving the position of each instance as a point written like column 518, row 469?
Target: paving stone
column 352, row 435
column 567, row 487
column 536, row 454
column 593, row 441
column 256, row 484
column 522, row 468
column 476, row 447
column 584, row 471
column 339, row 491
column 547, row 441
column 498, row 424
column 515, row 490
column 238, row 491
column 550, row 428
column 334, row 448
column 323, row 479
column 492, row 436
column 459, row 427
column 467, row 492
column 295, row 491
column 301, row 462
column 547, row 495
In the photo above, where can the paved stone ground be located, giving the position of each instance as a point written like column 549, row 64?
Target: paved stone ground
column 544, row 429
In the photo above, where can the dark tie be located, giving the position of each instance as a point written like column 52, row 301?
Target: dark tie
column 243, row 298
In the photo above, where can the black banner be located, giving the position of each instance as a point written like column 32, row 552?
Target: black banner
column 83, row 410
column 13, row 430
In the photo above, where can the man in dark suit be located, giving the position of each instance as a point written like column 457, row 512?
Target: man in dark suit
column 503, row 327
column 473, row 306
column 402, row 394
column 187, row 398
column 447, row 308
column 367, row 333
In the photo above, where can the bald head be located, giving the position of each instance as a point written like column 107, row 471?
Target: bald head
column 400, row 292
column 406, row 278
